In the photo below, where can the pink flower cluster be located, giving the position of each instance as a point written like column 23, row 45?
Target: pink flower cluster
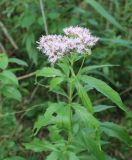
column 76, row 39
column 83, row 34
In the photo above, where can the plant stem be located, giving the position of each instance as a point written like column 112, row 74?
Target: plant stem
column 70, row 94
column 44, row 17
column 0, row 104
column 81, row 65
column 26, row 76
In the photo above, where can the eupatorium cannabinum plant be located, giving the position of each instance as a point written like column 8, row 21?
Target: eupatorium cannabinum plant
column 74, row 133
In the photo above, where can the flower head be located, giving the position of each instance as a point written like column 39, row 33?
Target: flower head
column 77, row 39
column 54, row 46
column 83, row 34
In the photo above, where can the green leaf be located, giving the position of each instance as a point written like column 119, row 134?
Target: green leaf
column 84, row 97
column 100, row 108
column 59, row 91
column 53, row 15
column 54, row 134
column 18, row 61
column 3, row 60
column 93, row 67
column 48, row 72
column 114, row 130
column 55, row 82
column 65, row 68
column 63, row 117
column 100, row 9
column 72, row 156
column 11, row 92
column 53, row 156
column 56, row 113
column 29, row 41
column 27, row 20
column 41, row 122
column 15, row 158
column 39, row 145
column 93, row 146
column 8, row 77
column 86, row 157
column 85, row 117
column 106, row 90
column 110, row 158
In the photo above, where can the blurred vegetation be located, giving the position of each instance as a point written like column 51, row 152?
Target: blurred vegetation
column 22, row 100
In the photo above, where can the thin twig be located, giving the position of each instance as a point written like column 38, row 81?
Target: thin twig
column 46, row 31
column 21, row 111
column 4, row 29
column 26, row 76
column 44, row 17
column 127, row 90
column 34, row 92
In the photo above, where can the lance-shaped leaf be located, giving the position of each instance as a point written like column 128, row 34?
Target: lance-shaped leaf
column 93, row 146
column 114, row 130
column 84, row 96
column 88, row 69
column 38, row 145
column 85, row 117
column 100, row 108
column 3, row 60
column 18, row 61
column 106, row 90
column 11, row 92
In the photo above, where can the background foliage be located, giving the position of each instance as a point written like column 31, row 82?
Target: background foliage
column 22, row 100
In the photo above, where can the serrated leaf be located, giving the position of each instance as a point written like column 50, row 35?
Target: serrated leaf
column 106, row 90
column 103, row 12
column 18, row 61
column 41, row 122
column 3, row 60
column 114, row 130
column 48, row 72
column 11, row 92
column 56, row 113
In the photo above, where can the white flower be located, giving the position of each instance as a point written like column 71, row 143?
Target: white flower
column 77, row 39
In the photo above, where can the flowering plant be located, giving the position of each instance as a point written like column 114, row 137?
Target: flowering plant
column 74, row 133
